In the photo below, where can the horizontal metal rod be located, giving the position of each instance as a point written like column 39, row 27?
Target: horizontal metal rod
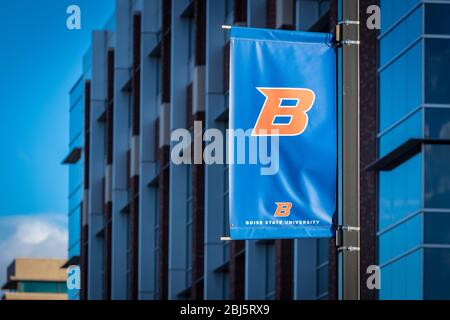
column 349, row 22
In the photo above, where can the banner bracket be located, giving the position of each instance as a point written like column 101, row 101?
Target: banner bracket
column 349, row 249
column 351, row 42
column 225, row 239
column 339, row 32
column 348, row 22
column 338, row 36
column 349, row 228
column 340, row 236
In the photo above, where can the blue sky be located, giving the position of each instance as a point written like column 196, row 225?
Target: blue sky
column 40, row 60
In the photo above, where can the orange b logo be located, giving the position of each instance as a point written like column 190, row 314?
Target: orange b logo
column 283, row 209
column 273, row 108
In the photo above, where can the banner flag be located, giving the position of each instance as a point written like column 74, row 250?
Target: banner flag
column 282, row 143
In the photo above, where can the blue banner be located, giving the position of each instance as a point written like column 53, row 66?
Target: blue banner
column 282, row 139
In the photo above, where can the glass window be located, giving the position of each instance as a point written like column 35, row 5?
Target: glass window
column 322, row 268
column 400, row 191
column 437, row 66
column 413, row 275
column 398, row 279
column 324, row 6
column 74, row 228
column 401, row 87
column 128, row 262
column 385, row 292
column 189, row 254
column 225, row 286
column 411, row 127
column 270, row 271
column 76, row 121
column 322, row 281
column 436, row 19
column 402, row 279
column 401, row 36
column 394, row 10
column 437, row 123
column 400, row 239
column 75, row 186
column 75, row 176
column 322, row 251
column 77, row 91
column 226, row 223
column 228, row 8
column 42, row 287
column 130, row 113
column 226, row 209
column 437, row 226
column 191, row 40
column 437, row 273
column 156, row 235
column 158, row 85
column 74, row 249
column 437, row 176
column 189, row 226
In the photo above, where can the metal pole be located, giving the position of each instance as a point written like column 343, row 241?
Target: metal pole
column 350, row 137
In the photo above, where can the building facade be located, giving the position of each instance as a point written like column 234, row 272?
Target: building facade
column 75, row 161
column 150, row 229
column 414, row 151
column 35, row 279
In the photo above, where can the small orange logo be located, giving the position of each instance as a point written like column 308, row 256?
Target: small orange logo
column 273, row 108
column 283, row 209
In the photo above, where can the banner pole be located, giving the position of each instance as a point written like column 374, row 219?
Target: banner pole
column 349, row 231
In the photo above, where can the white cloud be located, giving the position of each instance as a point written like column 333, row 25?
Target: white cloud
column 31, row 236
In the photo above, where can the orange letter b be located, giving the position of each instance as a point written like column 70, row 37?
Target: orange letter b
column 272, row 109
column 283, row 209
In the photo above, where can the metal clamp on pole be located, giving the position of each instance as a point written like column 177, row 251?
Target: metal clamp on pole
column 351, row 42
column 225, row 239
column 347, row 42
column 349, row 228
column 349, row 248
column 340, row 31
column 348, row 22
column 340, row 237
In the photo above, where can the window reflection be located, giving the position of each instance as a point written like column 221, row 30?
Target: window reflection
column 405, row 130
column 437, row 273
column 437, row 123
column 270, row 271
column 402, row 279
column 322, row 269
column 401, row 87
column 436, row 19
column 437, row 228
column 394, row 10
column 437, row 81
column 437, row 176
column 324, row 6
column 189, row 226
column 400, row 192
